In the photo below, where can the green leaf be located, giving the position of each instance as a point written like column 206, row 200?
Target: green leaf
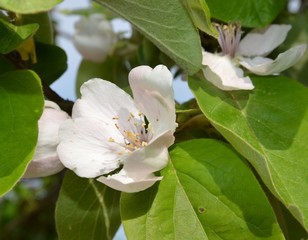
column 249, row 13
column 12, row 36
column 51, row 62
column 28, row 6
column 45, row 33
column 21, row 105
column 201, row 16
column 208, row 192
column 269, row 127
column 291, row 228
column 86, row 209
column 167, row 25
column 111, row 70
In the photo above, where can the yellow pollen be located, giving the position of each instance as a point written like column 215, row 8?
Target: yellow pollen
column 115, row 118
column 111, row 139
column 120, row 153
column 117, row 126
column 143, row 144
column 132, row 115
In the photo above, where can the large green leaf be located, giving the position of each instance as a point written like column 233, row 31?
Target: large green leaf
column 250, row 13
column 12, row 36
column 21, row 104
column 269, row 126
column 167, row 25
column 208, row 192
column 28, row 6
column 86, row 209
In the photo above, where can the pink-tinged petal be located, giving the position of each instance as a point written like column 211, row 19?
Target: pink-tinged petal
column 150, row 158
column 260, row 42
column 43, row 168
column 266, row 66
column 221, row 72
column 45, row 161
column 153, row 94
column 122, row 182
column 102, row 100
column 90, row 147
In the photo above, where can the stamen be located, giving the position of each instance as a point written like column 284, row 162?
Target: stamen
column 135, row 134
column 229, row 38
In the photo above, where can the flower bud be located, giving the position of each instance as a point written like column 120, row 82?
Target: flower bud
column 94, row 37
column 46, row 161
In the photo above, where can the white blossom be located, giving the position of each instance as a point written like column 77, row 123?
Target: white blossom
column 223, row 69
column 46, row 161
column 94, row 37
column 116, row 139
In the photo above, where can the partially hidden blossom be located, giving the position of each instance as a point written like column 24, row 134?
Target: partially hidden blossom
column 94, row 37
column 222, row 69
column 119, row 140
column 46, row 161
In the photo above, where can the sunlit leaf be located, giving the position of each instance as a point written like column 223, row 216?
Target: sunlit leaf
column 28, row 6
column 21, row 104
column 167, row 25
column 12, row 36
column 269, row 127
column 208, row 192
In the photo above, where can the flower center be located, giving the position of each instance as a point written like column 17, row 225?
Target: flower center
column 229, row 38
column 136, row 131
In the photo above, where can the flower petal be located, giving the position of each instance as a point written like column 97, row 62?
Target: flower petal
column 153, row 94
column 266, row 66
column 220, row 71
column 86, row 147
column 94, row 37
column 45, row 161
column 102, row 100
column 260, row 42
column 43, row 168
column 150, row 158
column 122, row 182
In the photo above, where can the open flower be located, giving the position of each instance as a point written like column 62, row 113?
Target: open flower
column 223, row 69
column 120, row 140
column 94, row 37
column 46, row 161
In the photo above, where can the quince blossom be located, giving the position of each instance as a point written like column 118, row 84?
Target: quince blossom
column 222, row 69
column 117, row 139
column 46, row 161
column 94, row 37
